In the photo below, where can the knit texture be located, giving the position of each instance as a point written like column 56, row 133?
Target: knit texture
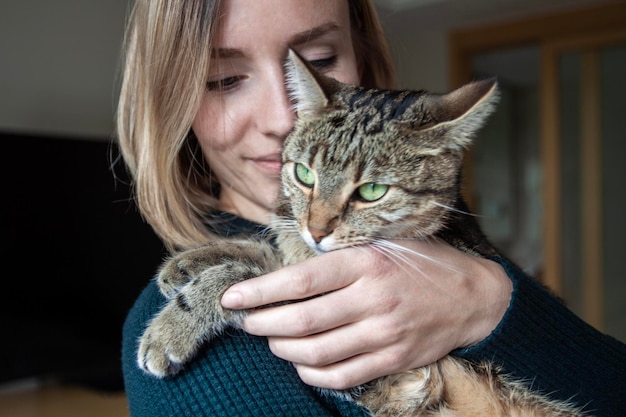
column 538, row 340
column 234, row 375
column 543, row 343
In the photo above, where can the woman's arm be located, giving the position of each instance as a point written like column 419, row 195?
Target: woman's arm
column 543, row 342
column 381, row 317
column 235, row 375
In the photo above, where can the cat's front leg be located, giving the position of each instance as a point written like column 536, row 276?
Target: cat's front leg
column 187, row 266
column 195, row 315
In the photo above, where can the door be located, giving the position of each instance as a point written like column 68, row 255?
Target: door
column 546, row 175
column 584, row 143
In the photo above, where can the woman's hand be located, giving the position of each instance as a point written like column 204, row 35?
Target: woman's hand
column 378, row 315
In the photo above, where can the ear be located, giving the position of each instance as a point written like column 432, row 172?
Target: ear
column 465, row 110
column 304, row 86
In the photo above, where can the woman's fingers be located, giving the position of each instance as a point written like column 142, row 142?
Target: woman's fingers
column 336, row 345
column 346, row 374
column 306, row 317
column 359, row 369
column 363, row 314
column 314, row 276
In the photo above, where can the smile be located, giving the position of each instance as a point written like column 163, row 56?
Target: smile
column 270, row 165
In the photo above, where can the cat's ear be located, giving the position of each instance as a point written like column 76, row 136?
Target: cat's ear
column 307, row 89
column 462, row 112
column 465, row 110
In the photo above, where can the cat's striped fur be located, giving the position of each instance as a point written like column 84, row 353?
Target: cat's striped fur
column 361, row 166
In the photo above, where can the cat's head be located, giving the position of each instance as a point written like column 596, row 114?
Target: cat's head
column 365, row 164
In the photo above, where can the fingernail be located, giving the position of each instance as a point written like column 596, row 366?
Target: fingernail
column 232, row 299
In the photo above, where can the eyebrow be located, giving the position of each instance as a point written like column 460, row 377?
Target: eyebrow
column 226, row 53
column 296, row 40
column 312, row 34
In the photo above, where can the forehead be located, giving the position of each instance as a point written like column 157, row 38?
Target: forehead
column 249, row 24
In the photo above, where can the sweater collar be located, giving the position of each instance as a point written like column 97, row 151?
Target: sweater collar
column 230, row 225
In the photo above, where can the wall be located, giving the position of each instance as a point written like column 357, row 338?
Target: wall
column 59, row 60
column 421, row 58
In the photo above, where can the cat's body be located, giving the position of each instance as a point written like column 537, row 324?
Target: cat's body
column 360, row 167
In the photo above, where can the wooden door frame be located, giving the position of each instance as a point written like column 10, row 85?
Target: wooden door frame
column 590, row 151
column 464, row 44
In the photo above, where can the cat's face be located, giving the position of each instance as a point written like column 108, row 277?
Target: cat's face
column 349, row 184
column 362, row 165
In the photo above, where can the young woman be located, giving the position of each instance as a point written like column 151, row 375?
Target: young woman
column 202, row 115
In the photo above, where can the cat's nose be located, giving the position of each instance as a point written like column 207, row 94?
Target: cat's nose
column 318, row 234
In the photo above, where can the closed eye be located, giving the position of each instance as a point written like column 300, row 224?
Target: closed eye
column 324, row 64
column 224, row 84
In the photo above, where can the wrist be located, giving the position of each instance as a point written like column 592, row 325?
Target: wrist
column 493, row 295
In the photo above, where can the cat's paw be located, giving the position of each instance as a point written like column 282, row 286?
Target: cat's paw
column 172, row 277
column 192, row 318
column 167, row 344
column 185, row 267
column 153, row 358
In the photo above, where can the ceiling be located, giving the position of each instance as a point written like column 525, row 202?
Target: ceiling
column 419, row 15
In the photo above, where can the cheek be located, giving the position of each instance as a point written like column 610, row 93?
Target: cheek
column 214, row 127
column 347, row 70
column 349, row 74
column 346, row 73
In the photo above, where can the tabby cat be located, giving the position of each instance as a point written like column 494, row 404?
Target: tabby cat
column 361, row 166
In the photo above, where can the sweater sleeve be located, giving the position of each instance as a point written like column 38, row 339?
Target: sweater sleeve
column 541, row 341
column 234, row 375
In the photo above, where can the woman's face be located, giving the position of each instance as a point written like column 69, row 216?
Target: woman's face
column 245, row 113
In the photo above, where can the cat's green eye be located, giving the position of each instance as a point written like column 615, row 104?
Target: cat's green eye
column 304, row 175
column 372, row 191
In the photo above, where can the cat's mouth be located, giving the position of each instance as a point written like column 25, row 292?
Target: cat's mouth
column 321, row 246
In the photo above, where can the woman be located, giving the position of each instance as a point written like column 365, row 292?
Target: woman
column 202, row 115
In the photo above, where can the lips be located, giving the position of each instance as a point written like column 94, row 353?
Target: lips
column 270, row 163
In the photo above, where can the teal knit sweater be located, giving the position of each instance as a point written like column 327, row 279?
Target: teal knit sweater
column 236, row 375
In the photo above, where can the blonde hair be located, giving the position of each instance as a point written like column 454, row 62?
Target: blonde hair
column 165, row 67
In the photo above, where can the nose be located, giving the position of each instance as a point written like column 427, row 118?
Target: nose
column 318, row 234
column 320, row 227
column 275, row 110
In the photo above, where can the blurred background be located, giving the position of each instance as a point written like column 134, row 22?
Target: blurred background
column 544, row 175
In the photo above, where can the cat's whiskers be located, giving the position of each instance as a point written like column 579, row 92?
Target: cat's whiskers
column 401, row 255
column 399, row 250
column 398, row 258
column 454, row 209
column 268, row 230
column 283, row 224
column 394, row 253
